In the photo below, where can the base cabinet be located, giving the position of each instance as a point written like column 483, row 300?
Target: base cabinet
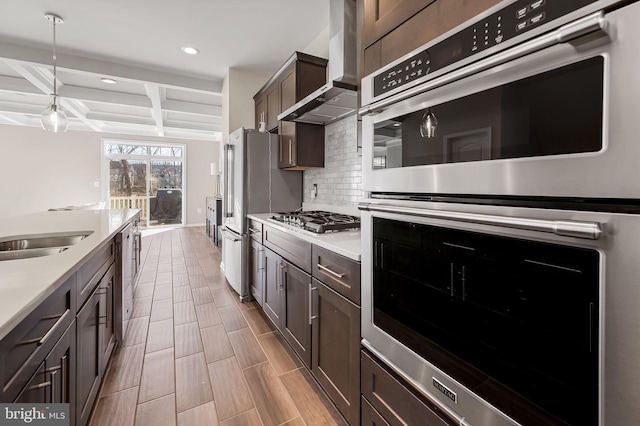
column 296, row 326
column 90, row 336
column 392, row 399
column 256, row 275
column 336, row 349
column 273, row 287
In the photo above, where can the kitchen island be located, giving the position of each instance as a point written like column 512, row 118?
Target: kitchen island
column 25, row 283
column 62, row 310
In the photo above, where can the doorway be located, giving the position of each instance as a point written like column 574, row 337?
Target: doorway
column 146, row 176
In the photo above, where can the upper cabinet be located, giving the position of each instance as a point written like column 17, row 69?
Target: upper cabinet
column 392, row 29
column 301, row 145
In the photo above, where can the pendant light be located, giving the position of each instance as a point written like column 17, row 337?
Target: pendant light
column 54, row 118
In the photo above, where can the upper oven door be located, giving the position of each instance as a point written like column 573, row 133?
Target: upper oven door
column 555, row 122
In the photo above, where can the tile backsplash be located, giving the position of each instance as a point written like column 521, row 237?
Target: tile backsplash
column 340, row 181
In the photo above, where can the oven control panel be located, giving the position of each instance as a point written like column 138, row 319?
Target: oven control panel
column 509, row 22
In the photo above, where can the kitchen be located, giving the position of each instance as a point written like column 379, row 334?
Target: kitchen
column 432, row 197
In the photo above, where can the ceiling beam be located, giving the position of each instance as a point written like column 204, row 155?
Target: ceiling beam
column 79, row 111
column 17, row 85
column 39, row 78
column 104, row 96
column 33, row 76
column 153, row 93
column 192, row 108
column 21, row 108
column 20, row 121
column 79, row 64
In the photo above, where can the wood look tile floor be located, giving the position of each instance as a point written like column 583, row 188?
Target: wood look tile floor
column 194, row 355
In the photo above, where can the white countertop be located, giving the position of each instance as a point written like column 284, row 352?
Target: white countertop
column 25, row 283
column 345, row 243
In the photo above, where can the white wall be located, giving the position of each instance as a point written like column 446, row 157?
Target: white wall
column 40, row 170
column 238, row 88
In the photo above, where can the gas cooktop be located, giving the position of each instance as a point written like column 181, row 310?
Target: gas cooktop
column 318, row 221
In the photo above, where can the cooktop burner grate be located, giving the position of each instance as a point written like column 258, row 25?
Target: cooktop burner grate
column 318, row 221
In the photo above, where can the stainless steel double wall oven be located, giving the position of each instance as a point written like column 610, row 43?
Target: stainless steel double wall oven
column 501, row 237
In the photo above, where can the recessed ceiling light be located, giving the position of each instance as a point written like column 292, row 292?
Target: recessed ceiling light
column 190, row 50
column 108, row 80
column 396, row 124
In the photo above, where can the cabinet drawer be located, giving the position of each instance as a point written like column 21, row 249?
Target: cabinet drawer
column 92, row 271
column 26, row 346
column 370, row 417
column 295, row 250
column 337, row 272
column 255, row 230
column 393, row 399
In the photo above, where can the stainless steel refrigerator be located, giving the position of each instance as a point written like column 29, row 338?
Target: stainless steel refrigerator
column 252, row 184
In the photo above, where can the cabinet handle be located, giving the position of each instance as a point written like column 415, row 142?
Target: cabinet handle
column 54, row 383
column 281, row 287
column 39, row 386
column 63, row 372
column 311, row 316
column 41, row 340
column 254, row 231
column 290, row 148
column 327, row 270
column 281, row 152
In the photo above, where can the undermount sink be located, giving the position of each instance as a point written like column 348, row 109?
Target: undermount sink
column 25, row 247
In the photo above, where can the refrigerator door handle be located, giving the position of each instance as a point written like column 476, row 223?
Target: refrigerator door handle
column 228, row 183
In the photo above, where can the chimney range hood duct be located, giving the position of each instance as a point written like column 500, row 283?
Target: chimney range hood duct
column 339, row 97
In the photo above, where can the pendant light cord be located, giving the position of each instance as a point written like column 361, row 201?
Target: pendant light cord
column 55, row 84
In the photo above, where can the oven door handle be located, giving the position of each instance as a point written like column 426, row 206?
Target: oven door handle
column 566, row 33
column 565, row 228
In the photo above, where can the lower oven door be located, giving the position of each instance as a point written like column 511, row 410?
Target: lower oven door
column 506, row 315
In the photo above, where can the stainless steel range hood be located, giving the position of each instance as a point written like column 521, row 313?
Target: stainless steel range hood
column 339, row 97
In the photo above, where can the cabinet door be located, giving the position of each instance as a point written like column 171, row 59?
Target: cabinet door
column 273, row 107
column 261, row 111
column 336, row 349
column 107, row 317
column 288, row 88
column 61, row 372
column 296, row 320
column 273, row 287
column 256, row 262
column 89, row 340
column 37, row 390
column 286, row 155
column 382, row 16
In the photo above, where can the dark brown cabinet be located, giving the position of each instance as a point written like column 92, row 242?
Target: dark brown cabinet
column 273, row 287
column 393, row 29
column 336, row 349
column 60, row 368
column 23, row 349
column 89, row 350
column 301, row 145
column 392, row 399
column 107, row 319
column 296, row 320
column 312, row 296
column 256, row 272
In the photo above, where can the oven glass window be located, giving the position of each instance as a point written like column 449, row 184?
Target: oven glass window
column 515, row 321
column 557, row 112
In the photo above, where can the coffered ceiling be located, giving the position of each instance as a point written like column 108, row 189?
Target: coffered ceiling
column 160, row 90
